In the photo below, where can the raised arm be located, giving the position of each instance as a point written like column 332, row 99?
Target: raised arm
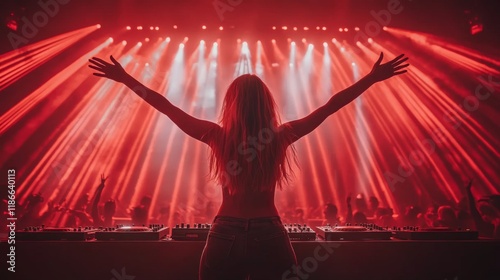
column 96, row 218
column 379, row 72
column 194, row 127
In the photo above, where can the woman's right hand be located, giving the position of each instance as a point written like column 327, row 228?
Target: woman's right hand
column 107, row 70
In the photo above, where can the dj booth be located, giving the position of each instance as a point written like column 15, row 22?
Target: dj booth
column 339, row 252
column 167, row 259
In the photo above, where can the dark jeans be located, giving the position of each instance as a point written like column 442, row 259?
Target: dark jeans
column 238, row 248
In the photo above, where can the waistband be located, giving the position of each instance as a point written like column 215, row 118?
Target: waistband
column 247, row 223
column 250, row 220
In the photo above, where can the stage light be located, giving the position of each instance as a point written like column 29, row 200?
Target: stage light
column 167, row 39
column 370, row 40
column 324, row 28
column 273, row 41
column 244, row 49
column 157, row 28
column 284, row 28
column 175, row 26
column 98, row 26
column 274, row 64
column 12, row 21
column 151, row 28
column 258, row 42
column 110, row 39
column 215, row 44
column 147, row 64
column 124, row 42
column 295, row 29
column 353, row 64
column 358, row 43
column 139, row 44
column 310, row 46
column 342, row 49
column 385, row 28
column 129, row 28
column 202, row 42
column 185, row 40
column 238, row 40
column 181, row 45
column 274, row 27
column 325, row 44
column 345, row 29
column 341, row 30
column 334, row 40
column 146, row 39
column 318, row 28
column 306, row 28
column 356, row 28
column 139, row 27
column 203, row 27
column 293, row 43
column 221, row 28
column 304, row 40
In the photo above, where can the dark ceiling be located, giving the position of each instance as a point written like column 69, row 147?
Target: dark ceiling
column 441, row 17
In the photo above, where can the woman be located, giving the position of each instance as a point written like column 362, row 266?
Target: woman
column 249, row 159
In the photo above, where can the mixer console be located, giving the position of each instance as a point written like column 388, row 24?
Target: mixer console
column 354, row 232
column 298, row 232
column 152, row 232
column 42, row 233
column 195, row 232
column 435, row 233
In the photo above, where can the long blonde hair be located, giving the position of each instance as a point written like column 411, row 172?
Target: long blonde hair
column 250, row 153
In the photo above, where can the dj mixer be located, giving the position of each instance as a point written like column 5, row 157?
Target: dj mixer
column 152, row 232
column 186, row 232
column 434, row 233
column 298, row 232
column 42, row 233
column 354, row 232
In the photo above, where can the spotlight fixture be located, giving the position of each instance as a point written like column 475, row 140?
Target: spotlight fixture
column 157, row 28
column 345, row 29
column 274, row 27
column 356, row 28
column 284, row 28
column 129, row 28
column 221, row 28
column 340, row 29
column 204, row 27
column 98, row 26
column 175, row 26
column 324, row 28
column 139, row 27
